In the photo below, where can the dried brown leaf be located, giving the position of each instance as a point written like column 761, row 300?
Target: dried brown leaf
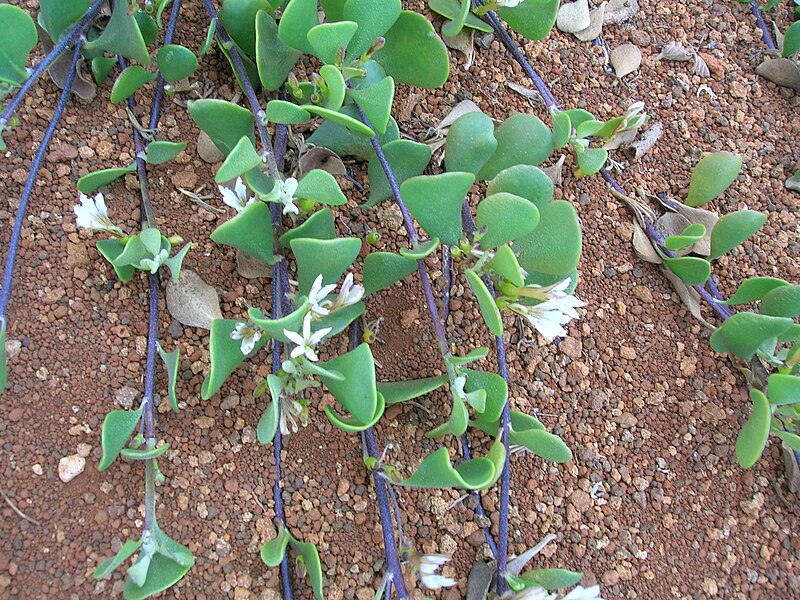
column 705, row 217
column 792, row 468
column 321, row 158
column 674, row 51
column 554, row 171
column 700, row 67
column 251, row 268
column 191, row 301
column 625, row 59
column 595, row 27
column 636, row 150
column 618, row 11
column 528, row 93
column 480, row 581
column 463, row 42
column 689, row 297
column 459, row 110
column 643, row 246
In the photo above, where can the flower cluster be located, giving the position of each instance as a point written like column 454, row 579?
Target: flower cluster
column 237, row 197
column 550, row 316
column 350, row 293
column 426, row 565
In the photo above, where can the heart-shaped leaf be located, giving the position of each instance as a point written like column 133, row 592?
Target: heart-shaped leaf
column 374, row 19
column 286, row 113
column 56, row 16
column 224, row 122
column 526, row 181
column 318, row 226
column 121, row 35
column 691, row 269
column 108, row 566
column 543, row 444
column 420, row 250
column 552, row 579
column 342, row 141
column 783, row 301
column 470, row 143
column 274, row 59
column 554, row 247
column 783, row 389
column 496, row 390
column 562, row 129
column 111, row 249
column 250, row 231
column 298, row 18
column 753, row 436
column 238, row 17
column 357, row 392
column 163, row 573
column 456, row 424
column 382, row 269
column 450, row 8
column 353, row 425
column 329, row 258
column 336, row 87
column 407, row 159
column 242, row 158
column 118, row 426
column 744, row 333
column 734, row 228
column 376, row 102
column 268, row 423
column 160, row 152
column 590, row 161
column 225, row 355
column 712, row 176
column 320, row 186
column 435, row 201
column 506, row 265
column 506, row 218
column 273, row 551
column 532, row 19
column 328, row 38
column 130, row 80
column 274, row 327
column 454, row 27
column 521, row 139
column 437, row 472
column 690, row 235
column 754, row 289
column 341, row 118
column 176, row 62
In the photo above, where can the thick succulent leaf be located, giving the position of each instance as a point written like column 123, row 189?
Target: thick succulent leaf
column 406, row 158
column 56, row 16
column 224, row 122
column 225, row 355
column 130, row 80
column 783, row 389
column 121, row 35
column 554, row 247
column 343, row 142
column 318, row 226
column 454, row 27
column 691, row 269
column 376, row 102
column 93, row 181
column 437, row 472
column 118, row 426
column 543, row 444
column 420, row 250
column 382, row 269
column 286, row 113
column 562, row 129
column 310, row 556
column 486, row 304
column 334, row 98
column 162, row 574
column 552, row 579
column 712, row 176
column 160, row 152
column 176, row 62
column 273, row 551
column 532, row 19
column 413, row 53
column 274, row 327
column 111, row 249
column 334, row 9
column 450, row 8
column 435, row 202
column 456, row 424
column 172, row 360
column 242, row 158
column 754, row 289
column 744, row 333
column 734, row 228
column 110, row 565
column 340, row 118
column 238, row 17
column 329, row 258
column 506, row 265
column 782, row 302
column 143, row 453
column 374, row 17
column 340, row 320
column 320, row 186
column 472, row 356
column 590, row 161
column 268, row 423
column 298, row 18
column 147, row 26
column 521, row 139
column 506, row 218
column 250, row 231
column 274, row 59
column 395, row 392
column 326, row 39
column 470, row 143
column 753, row 436
column 353, row 425
column 101, row 68
column 692, row 234
column 526, row 181
column 357, row 392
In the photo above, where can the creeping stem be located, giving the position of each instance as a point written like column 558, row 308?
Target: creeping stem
column 68, row 38
column 762, row 25
column 13, row 244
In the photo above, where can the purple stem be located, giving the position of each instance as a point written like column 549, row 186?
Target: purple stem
column 447, row 271
column 74, row 32
column 762, row 25
column 13, row 244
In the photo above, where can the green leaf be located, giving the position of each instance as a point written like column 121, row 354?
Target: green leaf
column 783, row 389
column 543, row 444
column 274, row 59
column 374, row 18
column 734, row 228
column 454, row 27
column 436, row 472
column 130, row 80
column 250, row 68
column 286, row 113
column 496, row 390
column 101, row 68
column 56, row 16
column 791, row 39
column 781, row 302
column 3, row 358
column 382, row 269
column 450, row 8
column 525, row 181
column 146, row 454
column 691, row 269
column 299, row 17
column 238, row 17
column 420, row 250
column 176, row 62
column 413, row 53
column 268, row 423
column 554, row 247
column 147, row 26
column 224, row 122
column 486, row 303
column 206, row 46
column 273, row 551
column 250, row 231
column 320, row 186
column 552, row 579
column 121, row 36
column 456, row 424
column 588, row 128
column 693, row 233
column 328, row 38
column 340, row 319
column 353, row 425
column 376, row 102
column 308, row 552
column 343, row 142
column 591, row 160
column 318, row 226
column 754, row 289
column 274, row 327
column 395, row 392
column 470, row 143
column 357, row 393
column 435, row 202
column 172, row 361
column 753, row 436
column 160, row 152
column 162, row 574
column 340, row 118
column 533, row 19
column 406, row 158
column 562, row 129
column 506, row 217
column 506, row 265
column 111, row 249
column 334, row 9
column 242, row 158
column 337, row 89
column 110, row 565
column 792, row 440
column 329, row 258
column 472, row 356
column 118, row 426
column 175, row 263
column 744, row 333
column 521, row 139
column 712, row 176
column 225, row 355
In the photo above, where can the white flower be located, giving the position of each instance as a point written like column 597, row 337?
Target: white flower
column 349, row 294
column 291, row 408
column 549, row 317
column 535, row 593
column 508, row 3
column 237, row 197
column 307, row 342
column 426, row 567
column 582, row 593
column 249, row 334
column 152, row 264
column 317, row 295
column 283, row 193
column 92, row 213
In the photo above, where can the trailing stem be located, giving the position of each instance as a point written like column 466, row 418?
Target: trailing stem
column 762, row 25
column 71, row 36
column 13, row 244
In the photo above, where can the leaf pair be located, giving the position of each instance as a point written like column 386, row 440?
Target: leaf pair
column 274, row 551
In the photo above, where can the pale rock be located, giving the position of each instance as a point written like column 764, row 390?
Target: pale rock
column 84, row 450
column 625, row 59
column 573, row 17
column 595, row 27
column 70, row 467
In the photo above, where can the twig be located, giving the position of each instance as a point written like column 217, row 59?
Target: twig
column 18, row 511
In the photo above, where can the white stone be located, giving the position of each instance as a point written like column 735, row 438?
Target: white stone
column 70, row 467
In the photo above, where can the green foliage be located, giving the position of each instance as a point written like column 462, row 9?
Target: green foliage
column 693, row 233
column 753, row 436
column 470, row 143
column 406, row 158
column 111, row 249
column 160, row 566
column 224, row 122
column 754, row 289
column 56, row 16
column 329, row 258
column 19, row 36
column 791, row 40
column 744, row 333
column 712, row 176
column 286, row 113
column 250, row 231
column 118, row 426
column 225, row 355
column 435, row 201
column 328, row 38
column 110, row 565
column 146, row 453
column 274, row 59
column 341, row 118
column 93, row 181
column 395, row 392
column 521, row 139
column 343, row 142
column 374, row 19
column 176, row 62
column 130, row 80
column 298, row 18
column 554, row 247
column 274, row 327
column 376, row 102
column 357, row 391
column 550, row 579
column 783, row 301
column 172, row 361
column 242, row 158
column 691, row 269
column 451, row 8
column 783, row 389
column 506, row 218
column 238, row 17
column 486, row 303
column 532, row 19
column 273, row 552
column 734, row 228
column 382, row 269
column 421, row 250
column 320, row 186
column 160, row 152
column 268, row 423
column 437, row 472
column 318, row 226
column 523, row 180
column 121, row 36
column 506, row 265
